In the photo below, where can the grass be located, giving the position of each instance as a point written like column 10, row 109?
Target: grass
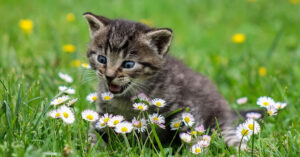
column 29, row 65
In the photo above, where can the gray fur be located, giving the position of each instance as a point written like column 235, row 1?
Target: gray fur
column 156, row 74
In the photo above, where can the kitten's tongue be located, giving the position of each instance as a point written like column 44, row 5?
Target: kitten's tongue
column 114, row 88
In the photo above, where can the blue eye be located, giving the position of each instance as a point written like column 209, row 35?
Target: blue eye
column 101, row 59
column 128, row 64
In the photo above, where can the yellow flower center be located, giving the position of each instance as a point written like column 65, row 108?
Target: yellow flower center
column 245, row 132
column 187, row 119
column 69, row 48
column 155, row 118
column 198, row 150
column 85, row 65
column 106, row 120
column 185, row 139
column 266, row 103
column 139, row 125
column 251, row 126
column 94, row 98
column 59, row 100
column 158, row 104
column 90, row 117
column 238, row 38
column 262, row 71
column 70, row 17
column 140, row 107
column 116, row 122
column 26, row 26
column 124, row 129
column 270, row 112
column 176, row 125
column 194, row 132
column 66, row 115
column 102, row 124
column 57, row 115
column 106, row 97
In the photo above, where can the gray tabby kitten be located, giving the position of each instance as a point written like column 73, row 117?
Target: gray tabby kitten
column 130, row 58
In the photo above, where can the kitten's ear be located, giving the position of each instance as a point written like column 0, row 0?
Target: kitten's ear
column 161, row 39
column 96, row 22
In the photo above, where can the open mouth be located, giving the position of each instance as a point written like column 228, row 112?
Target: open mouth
column 116, row 89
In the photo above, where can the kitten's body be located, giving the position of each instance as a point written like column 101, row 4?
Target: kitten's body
column 155, row 73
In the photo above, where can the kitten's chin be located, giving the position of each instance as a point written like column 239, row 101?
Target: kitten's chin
column 116, row 89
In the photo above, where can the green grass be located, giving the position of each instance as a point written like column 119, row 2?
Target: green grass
column 202, row 39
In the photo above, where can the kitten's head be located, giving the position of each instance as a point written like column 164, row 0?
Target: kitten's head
column 124, row 53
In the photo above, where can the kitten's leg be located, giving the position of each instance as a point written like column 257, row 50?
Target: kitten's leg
column 230, row 137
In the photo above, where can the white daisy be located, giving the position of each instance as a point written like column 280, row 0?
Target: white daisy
column 92, row 97
column 71, row 102
column 124, row 127
column 85, row 65
column 60, row 100
column 265, row 101
column 67, row 90
column 206, row 138
column 103, row 121
column 65, row 77
column 196, row 149
column 253, row 115
column 185, row 137
column 54, row 114
column 140, row 106
column 271, row 110
column 243, row 132
column 158, row 102
column 188, row 119
column 175, row 124
column 242, row 100
column 140, row 125
column 252, row 125
column 156, row 118
column 112, row 122
column 141, row 97
column 66, row 114
column 203, row 143
column 200, row 129
column 107, row 96
column 280, row 105
column 89, row 115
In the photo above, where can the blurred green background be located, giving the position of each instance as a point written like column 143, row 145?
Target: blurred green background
column 266, row 62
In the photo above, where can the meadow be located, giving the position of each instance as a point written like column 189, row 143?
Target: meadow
column 249, row 48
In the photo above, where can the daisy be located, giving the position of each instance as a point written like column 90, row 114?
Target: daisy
column 185, row 137
column 140, row 106
column 86, row 65
column 89, row 115
column 71, row 102
column 67, row 90
column 92, row 97
column 253, row 115
column 196, row 149
column 140, row 125
column 252, row 125
column 175, row 124
column 271, row 110
column 158, row 102
column 54, row 114
column 280, row 105
column 206, row 138
column 65, row 77
column 59, row 100
column 242, row 100
column 200, row 129
column 141, row 97
column 265, row 101
column 107, row 96
column 188, row 119
column 156, row 118
column 103, row 120
column 115, row 120
column 243, row 132
column 203, row 143
column 124, row 127
column 66, row 114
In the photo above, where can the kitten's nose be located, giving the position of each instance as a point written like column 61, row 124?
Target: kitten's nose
column 109, row 78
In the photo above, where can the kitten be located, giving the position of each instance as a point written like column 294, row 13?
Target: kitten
column 130, row 58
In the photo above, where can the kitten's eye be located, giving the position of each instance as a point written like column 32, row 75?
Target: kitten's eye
column 101, row 59
column 128, row 64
